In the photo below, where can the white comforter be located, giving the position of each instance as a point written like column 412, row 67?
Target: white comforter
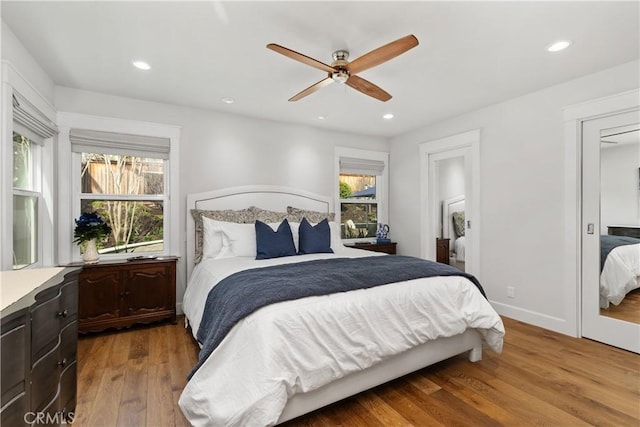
column 299, row 346
column 620, row 274
column 459, row 245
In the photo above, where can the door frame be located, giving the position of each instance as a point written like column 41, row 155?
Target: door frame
column 449, row 147
column 574, row 116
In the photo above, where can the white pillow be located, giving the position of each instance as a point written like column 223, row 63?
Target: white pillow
column 211, row 238
column 336, row 236
column 228, row 239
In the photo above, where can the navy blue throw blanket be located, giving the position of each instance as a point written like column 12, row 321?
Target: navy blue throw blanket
column 242, row 293
column 609, row 243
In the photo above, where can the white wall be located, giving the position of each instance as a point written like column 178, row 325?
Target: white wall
column 17, row 55
column 21, row 73
column 619, row 191
column 219, row 150
column 521, row 201
column 451, row 178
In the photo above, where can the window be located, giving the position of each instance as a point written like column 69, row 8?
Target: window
column 29, row 219
column 358, row 206
column 128, row 193
column 26, row 194
column 362, row 194
column 122, row 178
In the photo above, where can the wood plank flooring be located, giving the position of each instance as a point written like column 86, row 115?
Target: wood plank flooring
column 628, row 309
column 135, row 377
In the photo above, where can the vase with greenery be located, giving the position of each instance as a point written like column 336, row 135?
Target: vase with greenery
column 90, row 229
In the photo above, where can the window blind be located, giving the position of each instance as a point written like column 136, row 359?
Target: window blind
column 30, row 122
column 349, row 165
column 92, row 141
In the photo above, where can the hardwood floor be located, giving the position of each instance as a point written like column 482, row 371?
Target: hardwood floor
column 135, row 377
column 628, row 309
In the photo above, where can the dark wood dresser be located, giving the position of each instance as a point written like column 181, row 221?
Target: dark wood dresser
column 442, row 251
column 387, row 248
column 119, row 294
column 39, row 347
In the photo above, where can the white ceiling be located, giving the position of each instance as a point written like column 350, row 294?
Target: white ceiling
column 471, row 54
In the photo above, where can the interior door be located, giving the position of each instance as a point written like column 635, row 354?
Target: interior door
column 620, row 333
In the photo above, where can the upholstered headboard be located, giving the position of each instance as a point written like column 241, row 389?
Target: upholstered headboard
column 262, row 196
column 449, row 207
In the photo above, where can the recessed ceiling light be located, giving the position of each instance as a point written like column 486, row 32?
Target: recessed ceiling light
column 388, row 116
column 559, row 45
column 322, row 117
column 227, row 100
column 141, row 65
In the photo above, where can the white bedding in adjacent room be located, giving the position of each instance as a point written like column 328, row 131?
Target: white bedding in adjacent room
column 298, row 346
column 620, row 274
column 459, row 248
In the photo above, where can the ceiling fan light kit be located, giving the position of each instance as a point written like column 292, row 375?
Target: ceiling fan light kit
column 343, row 71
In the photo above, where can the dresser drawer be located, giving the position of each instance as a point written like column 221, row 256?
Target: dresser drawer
column 68, row 303
column 13, row 414
column 45, row 378
column 68, row 344
column 45, row 325
column 68, row 382
column 13, row 363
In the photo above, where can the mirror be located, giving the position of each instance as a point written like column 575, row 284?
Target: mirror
column 620, row 223
column 451, row 244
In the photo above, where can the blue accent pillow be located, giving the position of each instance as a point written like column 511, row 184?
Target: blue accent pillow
column 314, row 239
column 274, row 244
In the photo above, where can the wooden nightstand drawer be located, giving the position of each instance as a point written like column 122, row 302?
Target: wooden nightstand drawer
column 388, row 248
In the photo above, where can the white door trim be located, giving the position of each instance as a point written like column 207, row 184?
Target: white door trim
column 429, row 216
column 574, row 115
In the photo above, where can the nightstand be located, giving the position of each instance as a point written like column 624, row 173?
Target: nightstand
column 442, row 251
column 388, row 248
column 119, row 294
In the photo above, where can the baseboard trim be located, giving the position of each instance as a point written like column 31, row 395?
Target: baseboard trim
column 541, row 320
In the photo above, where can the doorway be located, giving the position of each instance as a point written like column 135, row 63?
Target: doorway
column 610, row 232
column 454, row 158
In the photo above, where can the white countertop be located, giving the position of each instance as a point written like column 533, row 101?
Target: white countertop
column 16, row 284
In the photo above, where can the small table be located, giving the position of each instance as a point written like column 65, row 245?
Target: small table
column 387, row 248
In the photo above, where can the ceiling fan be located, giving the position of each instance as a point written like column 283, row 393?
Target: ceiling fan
column 343, row 71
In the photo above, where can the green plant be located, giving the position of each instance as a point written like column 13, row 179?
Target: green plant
column 345, row 190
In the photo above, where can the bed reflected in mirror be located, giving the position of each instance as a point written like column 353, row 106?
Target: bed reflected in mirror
column 453, row 228
column 620, row 223
column 451, row 192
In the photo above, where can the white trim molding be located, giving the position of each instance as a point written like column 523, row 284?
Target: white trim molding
column 574, row 115
column 67, row 188
column 429, row 210
column 382, row 183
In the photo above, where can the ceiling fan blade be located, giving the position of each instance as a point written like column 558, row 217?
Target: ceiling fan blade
column 382, row 54
column 313, row 88
column 368, row 88
column 300, row 57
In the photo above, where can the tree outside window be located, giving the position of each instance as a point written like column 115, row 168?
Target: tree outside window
column 127, row 192
column 358, row 206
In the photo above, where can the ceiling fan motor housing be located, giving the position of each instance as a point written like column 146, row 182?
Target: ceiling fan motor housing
column 340, row 63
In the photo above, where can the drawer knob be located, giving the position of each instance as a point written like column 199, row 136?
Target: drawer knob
column 63, row 362
column 63, row 314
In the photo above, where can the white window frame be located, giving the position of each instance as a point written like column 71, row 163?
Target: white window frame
column 70, row 182
column 34, row 191
column 14, row 84
column 382, row 184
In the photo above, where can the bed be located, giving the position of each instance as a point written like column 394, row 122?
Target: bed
column 292, row 357
column 453, row 228
column 619, row 268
